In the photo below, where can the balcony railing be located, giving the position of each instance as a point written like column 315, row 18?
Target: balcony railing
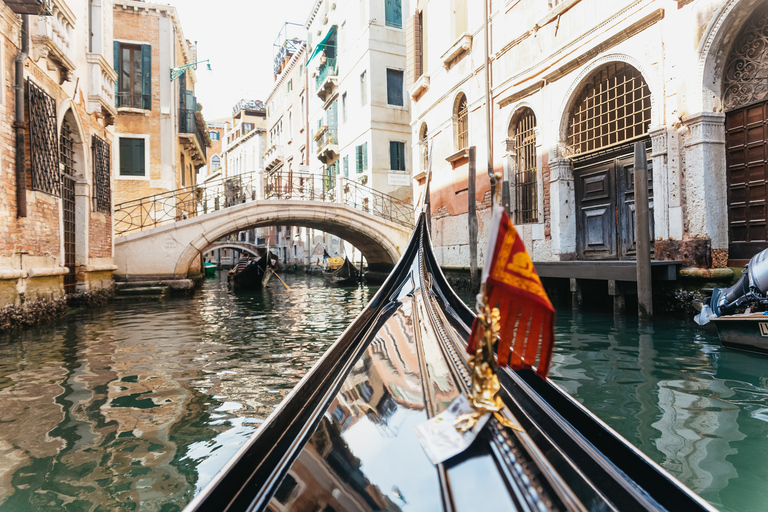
column 326, row 70
column 188, row 125
column 52, row 36
column 101, row 87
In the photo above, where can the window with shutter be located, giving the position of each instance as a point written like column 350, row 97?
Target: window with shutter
column 396, row 155
column 395, row 87
column 393, row 13
column 133, row 64
column 132, row 157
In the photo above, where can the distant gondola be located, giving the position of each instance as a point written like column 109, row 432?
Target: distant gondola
column 343, row 439
column 252, row 272
column 344, row 275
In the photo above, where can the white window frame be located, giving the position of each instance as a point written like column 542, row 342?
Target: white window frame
column 116, row 160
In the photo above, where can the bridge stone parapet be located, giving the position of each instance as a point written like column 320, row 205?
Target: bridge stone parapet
column 167, row 252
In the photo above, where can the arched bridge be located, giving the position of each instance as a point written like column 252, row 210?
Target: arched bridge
column 159, row 237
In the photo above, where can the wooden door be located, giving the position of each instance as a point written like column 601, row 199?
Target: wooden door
column 626, row 215
column 595, row 189
column 605, row 209
column 747, row 166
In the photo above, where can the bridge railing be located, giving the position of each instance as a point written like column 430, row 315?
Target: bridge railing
column 175, row 205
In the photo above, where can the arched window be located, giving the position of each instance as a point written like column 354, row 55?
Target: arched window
column 522, row 132
column 461, row 122
column 613, row 107
column 424, row 146
column 215, row 163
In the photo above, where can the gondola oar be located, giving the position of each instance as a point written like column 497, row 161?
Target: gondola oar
column 277, row 276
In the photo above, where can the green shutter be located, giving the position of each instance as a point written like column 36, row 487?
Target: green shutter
column 393, row 13
column 138, row 157
column 116, row 65
column 365, row 156
column 146, row 71
column 346, row 166
column 392, row 155
column 125, row 156
column 358, row 159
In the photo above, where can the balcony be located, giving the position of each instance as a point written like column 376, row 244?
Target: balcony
column 39, row 7
column 273, row 158
column 192, row 136
column 52, row 38
column 327, row 78
column 101, row 86
column 327, row 144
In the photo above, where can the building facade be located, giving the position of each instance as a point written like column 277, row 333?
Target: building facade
column 56, row 115
column 359, row 115
column 159, row 135
column 573, row 85
column 215, row 153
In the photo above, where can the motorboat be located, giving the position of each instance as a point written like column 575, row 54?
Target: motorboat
column 740, row 312
column 344, row 439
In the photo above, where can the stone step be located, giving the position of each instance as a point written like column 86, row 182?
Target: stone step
column 139, row 298
column 143, row 290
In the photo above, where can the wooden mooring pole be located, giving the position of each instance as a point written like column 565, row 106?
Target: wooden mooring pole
column 642, row 234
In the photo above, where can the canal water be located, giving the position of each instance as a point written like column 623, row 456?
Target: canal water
column 136, row 406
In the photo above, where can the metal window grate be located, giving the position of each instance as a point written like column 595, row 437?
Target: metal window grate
column 67, row 158
column 102, row 195
column 526, row 193
column 462, row 124
column 612, row 108
column 43, row 141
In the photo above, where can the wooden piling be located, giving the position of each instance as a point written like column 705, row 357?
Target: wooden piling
column 474, row 278
column 642, row 234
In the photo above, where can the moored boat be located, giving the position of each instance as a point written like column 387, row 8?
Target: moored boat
column 345, row 274
column 344, row 438
column 209, row 268
column 252, row 272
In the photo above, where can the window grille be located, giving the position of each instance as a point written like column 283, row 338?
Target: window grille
column 101, row 172
column 67, row 160
column 462, row 123
column 43, row 141
column 615, row 106
column 395, row 87
column 526, row 193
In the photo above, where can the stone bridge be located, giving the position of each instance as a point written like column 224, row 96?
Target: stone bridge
column 164, row 249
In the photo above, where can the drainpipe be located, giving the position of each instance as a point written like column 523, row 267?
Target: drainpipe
column 21, row 171
column 491, row 175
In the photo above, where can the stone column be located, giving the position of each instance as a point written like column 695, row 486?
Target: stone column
column 705, row 182
column 661, row 182
column 562, row 200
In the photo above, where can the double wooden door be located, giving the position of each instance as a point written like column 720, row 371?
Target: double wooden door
column 605, row 208
column 747, row 178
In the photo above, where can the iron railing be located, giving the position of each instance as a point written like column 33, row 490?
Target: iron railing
column 188, row 124
column 174, row 205
column 326, row 70
column 168, row 207
column 327, row 137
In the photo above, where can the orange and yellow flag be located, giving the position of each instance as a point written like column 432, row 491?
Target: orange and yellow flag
column 511, row 284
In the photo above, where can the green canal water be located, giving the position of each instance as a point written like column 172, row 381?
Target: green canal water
column 135, row 407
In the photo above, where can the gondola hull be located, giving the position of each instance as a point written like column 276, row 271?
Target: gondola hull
column 346, row 275
column 252, row 276
column 344, row 437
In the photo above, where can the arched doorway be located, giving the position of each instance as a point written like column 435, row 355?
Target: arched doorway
column 745, row 100
column 611, row 112
column 74, row 229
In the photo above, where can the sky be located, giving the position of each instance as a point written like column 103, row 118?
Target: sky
column 237, row 37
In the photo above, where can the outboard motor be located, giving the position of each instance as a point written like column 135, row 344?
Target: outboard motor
column 751, row 288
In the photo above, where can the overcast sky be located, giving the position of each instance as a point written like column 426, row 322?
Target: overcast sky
column 237, row 37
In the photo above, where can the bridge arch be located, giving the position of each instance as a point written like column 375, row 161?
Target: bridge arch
column 380, row 240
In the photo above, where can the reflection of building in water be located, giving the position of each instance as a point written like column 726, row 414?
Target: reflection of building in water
column 699, row 429
column 327, row 477
column 106, row 431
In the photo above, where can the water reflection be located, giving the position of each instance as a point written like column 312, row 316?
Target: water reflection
column 136, row 407
column 694, row 407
